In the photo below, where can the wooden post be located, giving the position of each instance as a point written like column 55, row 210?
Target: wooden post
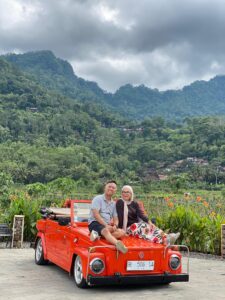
column 17, row 234
column 223, row 240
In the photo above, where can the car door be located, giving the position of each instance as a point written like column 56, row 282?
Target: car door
column 62, row 246
column 50, row 239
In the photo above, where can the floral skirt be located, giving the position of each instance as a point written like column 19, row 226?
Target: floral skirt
column 146, row 231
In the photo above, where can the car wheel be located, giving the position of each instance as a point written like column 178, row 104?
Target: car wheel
column 78, row 273
column 39, row 253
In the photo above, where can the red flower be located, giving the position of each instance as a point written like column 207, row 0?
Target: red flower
column 155, row 240
column 133, row 227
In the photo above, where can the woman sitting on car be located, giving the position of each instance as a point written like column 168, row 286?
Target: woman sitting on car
column 134, row 222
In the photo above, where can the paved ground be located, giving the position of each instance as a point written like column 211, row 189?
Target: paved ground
column 21, row 279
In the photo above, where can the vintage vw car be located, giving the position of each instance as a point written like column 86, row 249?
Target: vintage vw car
column 64, row 239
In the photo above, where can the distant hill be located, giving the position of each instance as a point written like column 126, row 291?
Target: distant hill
column 28, row 110
column 56, row 74
column 201, row 98
column 44, row 134
column 198, row 99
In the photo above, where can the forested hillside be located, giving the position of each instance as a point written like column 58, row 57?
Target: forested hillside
column 56, row 74
column 45, row 135
column 198, row 99
column 40, row 128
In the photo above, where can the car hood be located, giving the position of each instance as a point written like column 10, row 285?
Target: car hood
column 129, row 241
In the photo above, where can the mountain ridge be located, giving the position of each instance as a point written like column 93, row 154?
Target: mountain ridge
column 134, row 102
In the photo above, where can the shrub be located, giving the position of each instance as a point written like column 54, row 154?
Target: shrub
column 5, row 184
column 21, row 204
column 198, row 233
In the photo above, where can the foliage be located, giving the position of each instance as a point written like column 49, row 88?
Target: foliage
column 22, row 204
column 5, row 185
column 47, row 134
column 199, row 233
column 36, row 189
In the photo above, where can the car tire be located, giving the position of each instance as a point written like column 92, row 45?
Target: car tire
column 78, row 273
column 39, row 253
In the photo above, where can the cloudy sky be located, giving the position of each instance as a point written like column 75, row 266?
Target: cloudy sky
column 162, row 44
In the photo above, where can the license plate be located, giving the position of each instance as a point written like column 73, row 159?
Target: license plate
column 140, row 265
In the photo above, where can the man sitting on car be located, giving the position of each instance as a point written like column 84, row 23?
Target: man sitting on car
column 103, row 210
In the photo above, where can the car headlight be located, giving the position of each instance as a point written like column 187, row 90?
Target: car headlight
column 174, row 262
column 97, row 265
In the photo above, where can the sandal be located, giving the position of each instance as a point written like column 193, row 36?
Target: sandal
column 121, row 247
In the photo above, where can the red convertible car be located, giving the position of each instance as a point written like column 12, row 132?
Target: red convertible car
column 63, row 238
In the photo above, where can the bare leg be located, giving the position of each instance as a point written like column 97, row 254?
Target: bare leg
column 118, row 233
column 108, row 236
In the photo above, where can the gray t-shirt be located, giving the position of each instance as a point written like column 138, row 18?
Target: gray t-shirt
column 106, row 209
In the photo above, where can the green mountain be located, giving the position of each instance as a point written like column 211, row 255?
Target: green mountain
column 56, row 74
column 201, row 98
column 45, row 135
column 28, row 110
column 198, row 99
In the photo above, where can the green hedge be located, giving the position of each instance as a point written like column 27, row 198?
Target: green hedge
column 202, row 234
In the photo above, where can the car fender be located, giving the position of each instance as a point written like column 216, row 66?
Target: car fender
column 83, row 253
column 41, row 235
column 86, row 257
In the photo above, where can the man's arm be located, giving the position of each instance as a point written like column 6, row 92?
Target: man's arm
column 115, row 221
column 100, row 220
column 98, row 217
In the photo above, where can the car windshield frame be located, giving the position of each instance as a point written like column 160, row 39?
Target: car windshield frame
column 80, row 210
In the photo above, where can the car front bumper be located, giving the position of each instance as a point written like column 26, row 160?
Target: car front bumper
column 136, row 279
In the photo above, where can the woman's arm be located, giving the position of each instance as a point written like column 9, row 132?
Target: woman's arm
column 140, row 213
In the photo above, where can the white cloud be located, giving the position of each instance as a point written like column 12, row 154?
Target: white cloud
column 15, row 14
column 162, row 44
column 107, row 14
